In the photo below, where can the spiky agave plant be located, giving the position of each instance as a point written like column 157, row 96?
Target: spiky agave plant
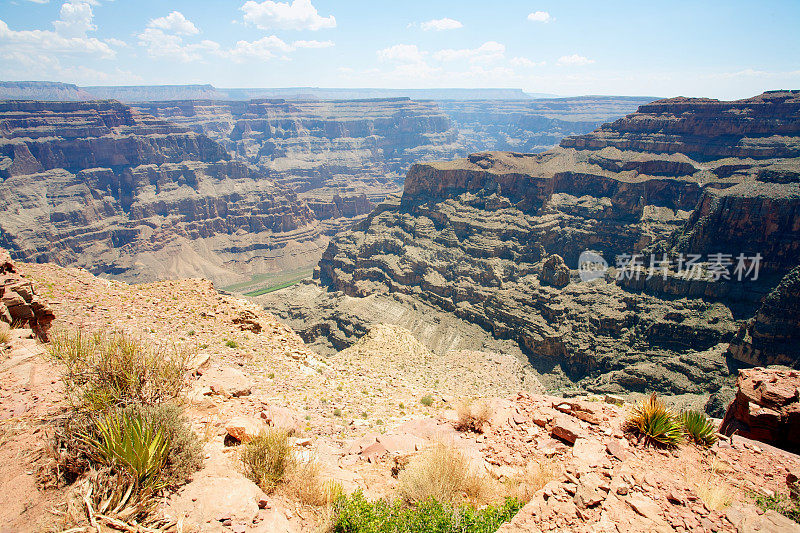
column 699, row 428
column 655, row 422
column 129, row 442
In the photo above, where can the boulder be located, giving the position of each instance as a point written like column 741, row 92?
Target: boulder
column 18, row 300
column 766, row 407
column 244, row 428
column 281, row 418
column 566, row 429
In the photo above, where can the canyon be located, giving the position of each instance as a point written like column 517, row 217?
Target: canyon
column 494, row 240
column 182, row 187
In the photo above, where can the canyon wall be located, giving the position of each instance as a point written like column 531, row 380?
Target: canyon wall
column 103, row 186
column 478, row 238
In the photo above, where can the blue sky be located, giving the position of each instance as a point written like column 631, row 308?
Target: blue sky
column 726, row 50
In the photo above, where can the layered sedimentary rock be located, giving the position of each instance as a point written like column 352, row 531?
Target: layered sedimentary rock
column 19, row 303
column 474, row 238
column 100, row 185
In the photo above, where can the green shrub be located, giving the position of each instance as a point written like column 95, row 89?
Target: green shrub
column 105, row 370
column 355, row 514
column 426, row 400
column 337, row 412
column 653, row 421
column 267, row 458
column 231, row 344
column 699, row 428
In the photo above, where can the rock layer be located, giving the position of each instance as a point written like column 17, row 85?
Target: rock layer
column 100, row 185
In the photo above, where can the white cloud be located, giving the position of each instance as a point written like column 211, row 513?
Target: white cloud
column 540, row 16
column 574, row 60
column 69, row 36
column 268, row 48
column 176, row 23
column 76, row 19
column 313, row 44
column 488, row 51
column 299, row 15
column 39, row 1
column 405, row 53
column 160, row 44
column 525, row 62
column 441, row 24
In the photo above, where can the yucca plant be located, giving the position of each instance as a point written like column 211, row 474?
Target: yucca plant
column 657, row 424
column 129, row 442
column 699, row 428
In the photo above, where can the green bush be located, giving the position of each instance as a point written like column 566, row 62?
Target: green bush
column 105, row 370
column 699, row 428
column 426, row 400
column 355, row 514
column 653, row 421
column 231, row 344
column 267, row 458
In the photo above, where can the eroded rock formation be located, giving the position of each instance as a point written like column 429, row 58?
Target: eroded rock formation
column 681, row 176
column 19, row 304
column 103, row 186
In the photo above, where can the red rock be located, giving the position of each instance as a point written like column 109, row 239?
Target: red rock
column 566, row 429
column 374, row 452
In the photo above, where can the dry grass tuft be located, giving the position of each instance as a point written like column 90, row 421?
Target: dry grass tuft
column 708, row 478
column 305, row 484
column 444, row 474
column 5, row 333
column 267, row 458
column 104, row 369
column 535, row 476
column 472, row 415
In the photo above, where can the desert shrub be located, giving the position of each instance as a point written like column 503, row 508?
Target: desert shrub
column 355, row 514
column 472, row 416
column 443, row 474
column 104, row 370
column 76, row 436
column 699, row 428
column 5, row 333
column 426, row 400
column 653, row 421
column 267, row 458
column 231, row 344
column 786, row 506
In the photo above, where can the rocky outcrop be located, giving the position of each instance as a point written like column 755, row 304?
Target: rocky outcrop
column 103, row 186
column 772, row 336
column 473, row 237
column 766, row 407
column 19, row 303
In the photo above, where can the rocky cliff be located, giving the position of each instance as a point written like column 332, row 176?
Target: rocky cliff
column 476, row 238
column 331, row 152
column 101, row 185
